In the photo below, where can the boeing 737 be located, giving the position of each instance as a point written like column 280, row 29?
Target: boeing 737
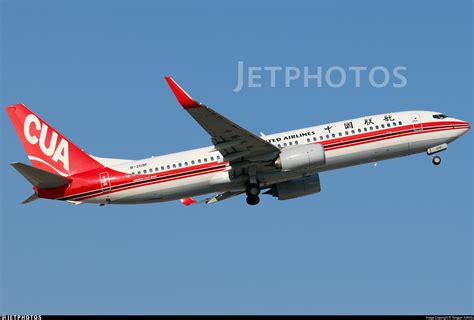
column 285, row 165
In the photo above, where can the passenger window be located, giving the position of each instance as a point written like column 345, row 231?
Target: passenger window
column 315, row 139
column 212, row 158
column 156, row 169
column 388, row 125
column 279, row 145
column 218, row 157
column 359, row 130
column 371, row 128
column 340, row 134
column 321, row 138
column 138, row 172
column 205, row 159
column 133, row 173
column 199, row 160
column 399, row 123
column 162, row 168
column 365, row 129
column 296, row 142
column 383, row 126
column 308, row 140
column 290, row 143
column 353, row 131
column 174, row 165
column 394, row 124
column 168, row 167
column 186, row 163
column 144, row 171
column 347, row 133
column 192, row 162
column 179, row 165
column 284, row 144
column 376, row 127
column 333, row 135
column 327, row 136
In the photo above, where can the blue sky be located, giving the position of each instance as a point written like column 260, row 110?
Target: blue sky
column 396, row 238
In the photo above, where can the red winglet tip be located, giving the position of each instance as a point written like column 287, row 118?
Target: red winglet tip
column 188, row 201
column 184, row 99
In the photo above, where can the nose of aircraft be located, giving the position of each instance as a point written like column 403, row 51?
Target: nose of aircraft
column 463, row 125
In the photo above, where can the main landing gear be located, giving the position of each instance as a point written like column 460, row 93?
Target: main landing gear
column 253, row 187
column 252, row 191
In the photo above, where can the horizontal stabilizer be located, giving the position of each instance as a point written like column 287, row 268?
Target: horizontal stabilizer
column 40, row 178
column 33, row 197
column 218, row 197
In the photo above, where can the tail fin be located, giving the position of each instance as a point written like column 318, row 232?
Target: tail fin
column 46, row 148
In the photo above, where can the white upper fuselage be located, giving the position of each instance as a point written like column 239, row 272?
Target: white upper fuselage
column 346, row 143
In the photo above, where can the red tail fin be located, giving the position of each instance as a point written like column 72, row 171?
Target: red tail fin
column 46, row 148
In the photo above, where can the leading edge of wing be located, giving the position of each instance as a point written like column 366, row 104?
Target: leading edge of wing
column 183, row 97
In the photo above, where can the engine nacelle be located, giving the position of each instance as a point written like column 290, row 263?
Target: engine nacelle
column 296, row 188
column 301, row 157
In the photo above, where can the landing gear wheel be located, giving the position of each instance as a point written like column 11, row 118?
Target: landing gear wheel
column 436, row 160
column 252, row 190
column 253, row 200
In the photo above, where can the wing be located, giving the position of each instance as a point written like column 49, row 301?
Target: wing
column 218, row 197
column 235, row 143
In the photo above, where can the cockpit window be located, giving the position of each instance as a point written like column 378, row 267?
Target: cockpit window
column 439, row 116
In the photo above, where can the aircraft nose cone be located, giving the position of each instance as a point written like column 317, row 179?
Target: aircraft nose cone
column 462, row 122
column 466, row 126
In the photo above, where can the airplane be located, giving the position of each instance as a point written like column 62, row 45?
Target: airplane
column 286, row 165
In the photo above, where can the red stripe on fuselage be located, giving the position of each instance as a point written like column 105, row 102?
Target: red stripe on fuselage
column 395, row 132
column 393, row 135
column 147, row 183
column 88, row 182
column 391, row 130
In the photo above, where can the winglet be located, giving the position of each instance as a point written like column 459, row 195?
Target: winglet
column 188, row 201
column 183, row 98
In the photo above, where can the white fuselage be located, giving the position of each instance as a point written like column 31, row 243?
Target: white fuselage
column 346, row 143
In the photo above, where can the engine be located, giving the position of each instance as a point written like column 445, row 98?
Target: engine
column 301, row 157
column 296, row 188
